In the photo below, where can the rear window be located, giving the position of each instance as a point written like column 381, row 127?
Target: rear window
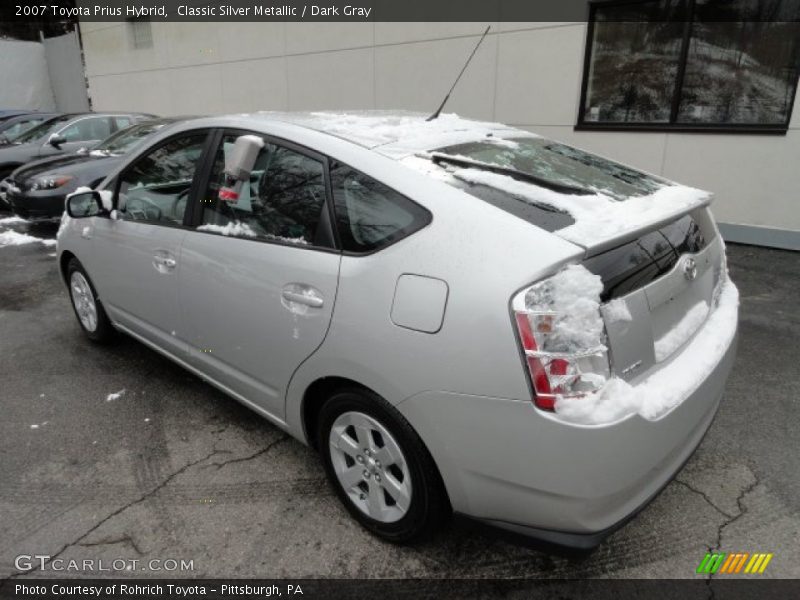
column 558, row 165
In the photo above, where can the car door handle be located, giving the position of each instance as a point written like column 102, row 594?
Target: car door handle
column 164, row 264
column 303, row 295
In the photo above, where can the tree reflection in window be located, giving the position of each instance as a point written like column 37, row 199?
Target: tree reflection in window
column 693, row 62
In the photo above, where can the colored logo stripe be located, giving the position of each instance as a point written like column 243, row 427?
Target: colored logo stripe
column 758, row 563
column 734, row 562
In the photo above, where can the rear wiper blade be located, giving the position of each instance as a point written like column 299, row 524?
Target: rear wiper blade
column 440, row 157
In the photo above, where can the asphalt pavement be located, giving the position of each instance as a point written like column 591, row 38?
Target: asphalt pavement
column 170, row 468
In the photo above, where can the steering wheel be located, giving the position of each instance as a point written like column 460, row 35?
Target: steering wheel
column 174, row 208
column 141, row 214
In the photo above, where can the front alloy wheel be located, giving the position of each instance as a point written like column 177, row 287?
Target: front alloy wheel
column 88, row 308
column 83, row 301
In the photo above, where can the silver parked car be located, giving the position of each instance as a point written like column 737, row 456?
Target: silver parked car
column 460, row 316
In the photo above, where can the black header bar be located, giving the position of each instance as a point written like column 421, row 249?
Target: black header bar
column 479, row 11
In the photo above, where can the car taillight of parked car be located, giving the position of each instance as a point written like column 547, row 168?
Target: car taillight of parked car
column 564, row 353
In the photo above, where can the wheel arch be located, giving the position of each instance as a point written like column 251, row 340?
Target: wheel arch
column 63, row 263
column 315, row 396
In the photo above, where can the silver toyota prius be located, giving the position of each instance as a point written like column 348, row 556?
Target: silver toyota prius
column 461, row 317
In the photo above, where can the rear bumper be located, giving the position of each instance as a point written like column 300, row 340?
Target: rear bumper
column 34, row 208
column 508, row 466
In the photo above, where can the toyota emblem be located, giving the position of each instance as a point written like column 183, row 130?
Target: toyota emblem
column 690, row 269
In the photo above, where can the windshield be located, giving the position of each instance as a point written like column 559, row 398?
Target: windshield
column 123, row 141
column 42, row 130
column 558, row 165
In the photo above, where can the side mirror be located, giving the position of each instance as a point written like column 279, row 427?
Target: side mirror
column 56, row 140
column 238, row 165
column 84, row 204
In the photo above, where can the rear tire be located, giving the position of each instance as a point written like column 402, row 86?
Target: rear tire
column 380, row 468
column 88, row 309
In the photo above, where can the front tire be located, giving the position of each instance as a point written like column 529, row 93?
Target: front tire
column 88, row 309
column 379, row 467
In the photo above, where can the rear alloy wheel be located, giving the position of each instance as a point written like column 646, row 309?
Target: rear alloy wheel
column 370, row 467
column 91, row 315
column 379, row 467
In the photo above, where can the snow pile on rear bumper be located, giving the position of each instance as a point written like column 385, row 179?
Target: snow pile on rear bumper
column 671, row 383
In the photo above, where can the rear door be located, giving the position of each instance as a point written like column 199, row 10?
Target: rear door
column 258, row 276
column 137, row 257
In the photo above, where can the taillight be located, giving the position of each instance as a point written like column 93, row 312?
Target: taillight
column 562, row 335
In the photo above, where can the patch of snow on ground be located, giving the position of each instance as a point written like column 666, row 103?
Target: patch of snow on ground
column 14, row 238
column 670, row 384
column 10, row 220
column 682, row 331
column 115, row 395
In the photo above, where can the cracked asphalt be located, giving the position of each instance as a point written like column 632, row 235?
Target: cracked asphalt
column 173, row 469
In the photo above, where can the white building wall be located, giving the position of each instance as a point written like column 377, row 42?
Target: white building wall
column 65, row 69
column 24, row 79
column 525, row 74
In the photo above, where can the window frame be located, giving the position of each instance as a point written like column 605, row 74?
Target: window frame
column 672, row 125
column 193, row 188
column 326, row 225
column 428, row 213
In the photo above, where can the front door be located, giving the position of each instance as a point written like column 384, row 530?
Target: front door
column 139, row 253
column 258, row 276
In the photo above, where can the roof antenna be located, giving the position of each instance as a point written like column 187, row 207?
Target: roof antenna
column 455, row 83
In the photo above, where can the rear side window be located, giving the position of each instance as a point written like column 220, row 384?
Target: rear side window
column 370, row 215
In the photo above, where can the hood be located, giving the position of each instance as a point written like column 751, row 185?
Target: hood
column 83, row 168
column 18, row 153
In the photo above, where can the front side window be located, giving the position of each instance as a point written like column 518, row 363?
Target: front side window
column 691, row 64
column 282, row 201
column 370, row 215
column 87, row 129
column 156, row 187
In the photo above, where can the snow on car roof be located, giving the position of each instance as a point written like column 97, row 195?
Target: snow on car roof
column 394, row 133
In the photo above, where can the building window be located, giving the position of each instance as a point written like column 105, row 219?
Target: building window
column 141, row 33
column 691, row 64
